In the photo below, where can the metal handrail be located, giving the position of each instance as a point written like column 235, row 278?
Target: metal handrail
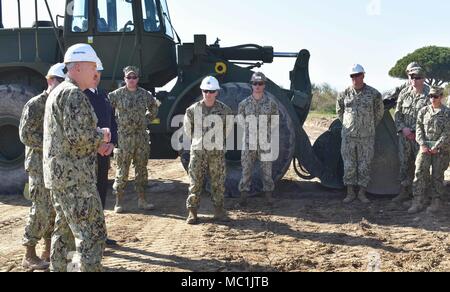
column 119, row 50
column 19, row 31
column 54, row 28
column 36, row 31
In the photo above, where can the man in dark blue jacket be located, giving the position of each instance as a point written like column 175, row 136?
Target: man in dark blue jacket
column 105, row 115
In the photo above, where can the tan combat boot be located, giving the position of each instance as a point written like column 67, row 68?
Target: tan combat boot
column 32, row 262
column 192, row 218
column 435, row 206
column 118, row 208
column 142, row 203
column 243, row 200
column 403, row 196
column 45, row 256
column 220, row 214
column 362, row 195
column 351, row 195
column 416, row 207
column 269, row 198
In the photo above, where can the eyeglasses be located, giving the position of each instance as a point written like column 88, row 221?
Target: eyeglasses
column 209, row 91
column 131, row 77
column 259, row 83
column 356, row 75
column 416, row 78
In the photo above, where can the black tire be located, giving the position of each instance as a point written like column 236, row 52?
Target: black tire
column 12, row 152
column 232, row 94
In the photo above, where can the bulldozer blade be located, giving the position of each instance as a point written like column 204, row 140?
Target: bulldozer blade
column 327, row 149
column 386, row 164
column 325, row 162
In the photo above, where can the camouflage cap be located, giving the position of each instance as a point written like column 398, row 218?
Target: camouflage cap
column 412, row 66
column 436, row 91
column 131, row 69
column 418, row 71
column 258, row 77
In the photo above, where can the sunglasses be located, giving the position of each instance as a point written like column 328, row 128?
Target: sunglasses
column 131, row 77
column 259, row 83
column 209, row 91
column 356, row 75
column 434, row 97
column 416, row 78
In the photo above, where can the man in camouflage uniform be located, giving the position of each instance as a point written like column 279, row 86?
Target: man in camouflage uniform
column 433, row 133
column 410, row 101
column 360, row 109
column 207, row 156
column 135, row 108
column 71, row 142
column 394, row 94
column 42, row 215
column 256, row 106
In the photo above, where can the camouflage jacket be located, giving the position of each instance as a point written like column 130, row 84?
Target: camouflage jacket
column 71, row 138
column 433, row 127
column 31, row 132
column 134, row 110
column 194, row 119
column 409, row 104
column 360, row 112
column 251, row 107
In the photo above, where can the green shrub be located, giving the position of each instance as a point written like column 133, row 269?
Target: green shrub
column 324, row 98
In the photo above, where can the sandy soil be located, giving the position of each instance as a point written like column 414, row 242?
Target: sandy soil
column 308, row 229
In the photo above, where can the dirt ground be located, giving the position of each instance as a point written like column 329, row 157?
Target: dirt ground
column 308, row 229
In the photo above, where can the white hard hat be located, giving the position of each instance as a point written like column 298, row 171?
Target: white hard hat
column 357, row 69
column 210, row 83
column 57, row 70
column 99, row 65
column 80, row 53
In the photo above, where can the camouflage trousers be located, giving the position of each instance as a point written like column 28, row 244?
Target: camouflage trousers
column 408, row 151
column 41, row 218
column 248, row 159
column 434, row 182
column 80, row 229
column 357, row 154
column 136, row 149
column 203, row 163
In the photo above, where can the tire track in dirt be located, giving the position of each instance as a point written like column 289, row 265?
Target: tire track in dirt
column 161, row 244
column 11, row 223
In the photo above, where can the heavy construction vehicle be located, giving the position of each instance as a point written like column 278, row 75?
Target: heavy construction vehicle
column 140, row 32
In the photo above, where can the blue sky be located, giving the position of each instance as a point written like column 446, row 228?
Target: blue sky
column 375, row 33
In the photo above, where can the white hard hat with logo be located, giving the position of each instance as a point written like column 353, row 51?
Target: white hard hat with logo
column 210, row 83
column 80, row 53
column 56, row 70
column 357, row 69
column 99, row 65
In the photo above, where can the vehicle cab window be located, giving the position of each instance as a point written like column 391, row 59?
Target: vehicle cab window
column 150, row 15
column 79, row 9
column 115, row 16
column 166, row 15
